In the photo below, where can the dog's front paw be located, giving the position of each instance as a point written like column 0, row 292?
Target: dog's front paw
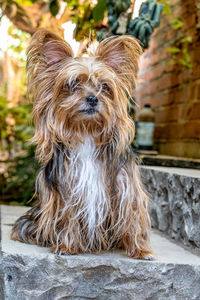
column 149, row 257
column 62, row 250
column 143, row 254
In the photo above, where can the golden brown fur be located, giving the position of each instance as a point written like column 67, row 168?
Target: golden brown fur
column 91, row 197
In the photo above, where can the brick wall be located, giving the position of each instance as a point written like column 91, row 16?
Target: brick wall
column 173, row 90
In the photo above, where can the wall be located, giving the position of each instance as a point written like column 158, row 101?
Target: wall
column 174, row 90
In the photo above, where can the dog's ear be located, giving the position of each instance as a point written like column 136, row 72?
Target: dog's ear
column 48, row 48
column 121, row 54
column 45, row 52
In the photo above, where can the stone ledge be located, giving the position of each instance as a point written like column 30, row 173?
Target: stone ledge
column 175, row 206
column 30, row 272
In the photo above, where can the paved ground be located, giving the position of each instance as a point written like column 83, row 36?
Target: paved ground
column 29, row 272
column 165, row 250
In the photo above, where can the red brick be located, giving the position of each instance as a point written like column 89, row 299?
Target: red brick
column 192, row 111
column 195, row 54
column 160, row 131
column 175, row 78
column 173, row 90
column 196, row 71
column 158, row 56
column 155, row 100
column 164, row 53
column 158, row 70
column 163, row 99
column 171, row 33
column 167, row 98
column 147, row 75
column 186, row 75
column 173, row 2
column 187, row 7
column 153, row 73
column 169, row 66
column 189, row 21
column 144, row 62
column 195, row 91
column 182, row 94
column 154, row 58
column 167, row 81
column 168, row 131
column 164, row 83
column 153, row 44
column 198, row 15
column 168, row 114
column 141, row 91
column 191, row 130
column 142, row 101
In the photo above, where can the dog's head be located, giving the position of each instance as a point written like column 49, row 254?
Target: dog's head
column 81, row 95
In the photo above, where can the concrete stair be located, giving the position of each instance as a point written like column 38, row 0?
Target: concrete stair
column 175, row 205
column 29, row 272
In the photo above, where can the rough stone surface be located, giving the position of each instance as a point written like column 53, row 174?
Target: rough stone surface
column 29, row 272
column 175, row 205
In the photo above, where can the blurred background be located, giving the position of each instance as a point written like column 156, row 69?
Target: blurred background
column 167, row 97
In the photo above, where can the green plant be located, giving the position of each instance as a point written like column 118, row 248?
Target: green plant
column 19, row 166
column 18, row 183
column 180, row 49
column 180, row 52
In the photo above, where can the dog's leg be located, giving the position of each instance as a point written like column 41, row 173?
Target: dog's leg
column 37, row 225
column 25, row 227
column 133, row 218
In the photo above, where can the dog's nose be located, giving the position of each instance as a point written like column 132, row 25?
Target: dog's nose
column 92, row 100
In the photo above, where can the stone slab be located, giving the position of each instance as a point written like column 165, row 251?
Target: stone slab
column 175, row 205
column 30, row 272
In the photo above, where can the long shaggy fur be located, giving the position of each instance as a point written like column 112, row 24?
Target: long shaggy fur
column 90, row 193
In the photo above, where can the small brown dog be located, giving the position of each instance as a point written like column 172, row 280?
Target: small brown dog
column 90, row 193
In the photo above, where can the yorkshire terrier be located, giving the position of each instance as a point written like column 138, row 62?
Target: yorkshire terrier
column 90, row 193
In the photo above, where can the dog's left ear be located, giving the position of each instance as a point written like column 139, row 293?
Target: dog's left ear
column 121, row 54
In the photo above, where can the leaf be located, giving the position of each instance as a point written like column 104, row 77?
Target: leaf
column 187, row 39
column 186, row 55
column 177, row 23
column 173, row 50
column 167, row 8
column 54, row 7
column 99, row 10
column 24, row 2
column 184, row 63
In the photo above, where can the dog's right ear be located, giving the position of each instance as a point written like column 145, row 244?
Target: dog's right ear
column 47, row 48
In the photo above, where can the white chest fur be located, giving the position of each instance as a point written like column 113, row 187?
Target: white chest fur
column 88, row 187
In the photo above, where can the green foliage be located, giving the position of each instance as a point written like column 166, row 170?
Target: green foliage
column 54, row 7
column 17, row 182
column 174, row 50
column 120, row 20
column 167, row 8
column 180, row 49
column 17, row 46
column 176, row 23
column 99, row 10
column 86, row 16
column 24, row 2
column 180, row 52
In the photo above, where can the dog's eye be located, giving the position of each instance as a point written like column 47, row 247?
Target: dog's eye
column 72, row 86
column 104, row 86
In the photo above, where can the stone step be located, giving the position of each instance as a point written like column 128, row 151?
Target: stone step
column 29, row 272
column 175, row 205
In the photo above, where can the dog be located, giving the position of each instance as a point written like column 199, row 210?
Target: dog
column 91, row 197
